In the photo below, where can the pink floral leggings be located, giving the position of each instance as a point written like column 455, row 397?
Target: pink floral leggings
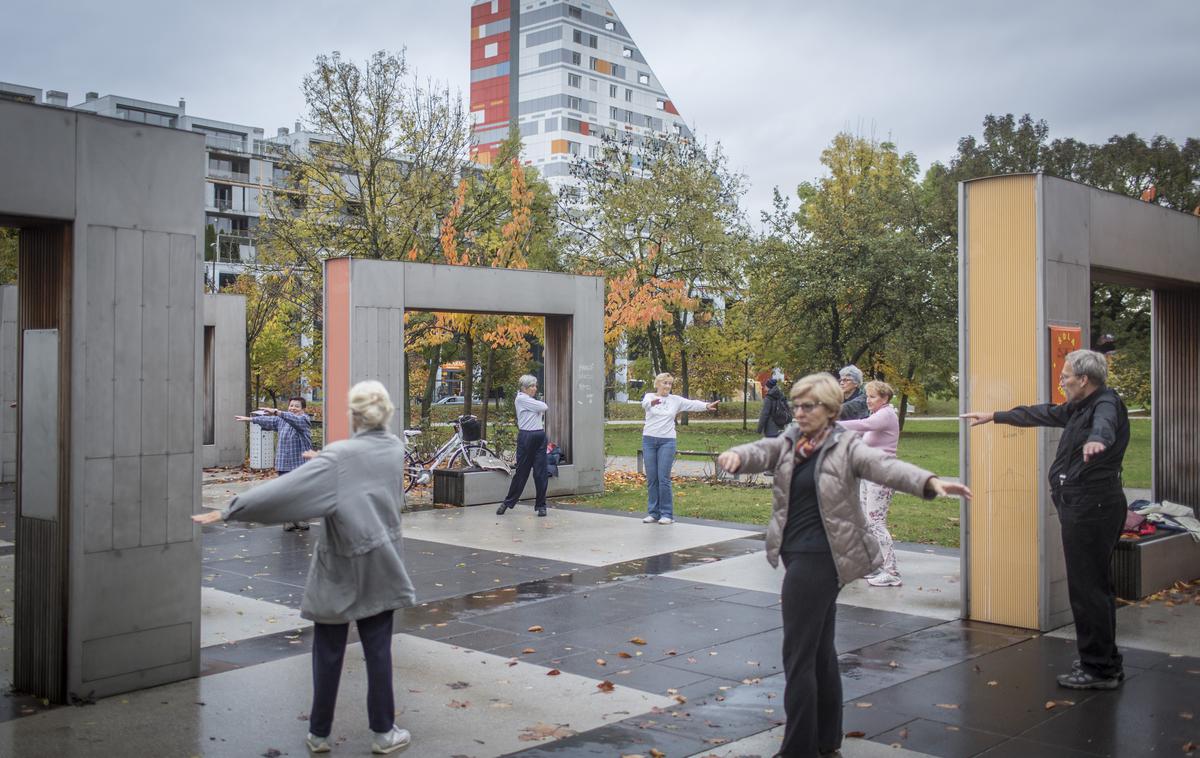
column 876, row 499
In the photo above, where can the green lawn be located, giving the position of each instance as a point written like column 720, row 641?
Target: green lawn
column 912, row 519
column 930, row 444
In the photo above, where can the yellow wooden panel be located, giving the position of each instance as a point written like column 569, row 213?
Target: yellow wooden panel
column 1002, row 366
column 559, row 146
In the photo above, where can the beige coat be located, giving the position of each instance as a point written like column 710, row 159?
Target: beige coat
column 842, row 461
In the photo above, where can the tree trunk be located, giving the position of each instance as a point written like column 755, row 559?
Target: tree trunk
column 430, row 385
column 684, row 381
column 468, row 371
column 487, row 388
column 909, row 374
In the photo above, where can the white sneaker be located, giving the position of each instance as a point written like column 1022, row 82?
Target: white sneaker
column 884, row 579
column 650, row 520
column 317, row 744
column 391, row 742
column 666, row 520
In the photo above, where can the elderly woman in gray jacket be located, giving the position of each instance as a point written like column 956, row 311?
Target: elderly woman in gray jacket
column 357, row 571
column 819, row 529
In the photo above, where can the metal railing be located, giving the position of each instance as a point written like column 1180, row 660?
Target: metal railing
column 221, row 173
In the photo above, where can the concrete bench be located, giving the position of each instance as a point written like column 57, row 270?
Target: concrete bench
column 1143, row 567
column 478, row 487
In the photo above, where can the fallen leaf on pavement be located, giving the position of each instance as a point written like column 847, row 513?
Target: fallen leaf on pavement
column 605, row 686
column 601, row 662
column 623, row 654
column 458, row 704
column 457, row 685
column 553, row 672
column 638, row 641
column 536, row 628
column 857, row 735
column 948, row 706
column 527, row 651
column 540, row 731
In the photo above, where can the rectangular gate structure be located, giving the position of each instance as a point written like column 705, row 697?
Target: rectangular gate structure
column 107, row 588
column 365, row 301
column 1030, row 247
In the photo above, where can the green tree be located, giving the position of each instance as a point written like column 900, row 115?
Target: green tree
column 659, row 217
column 849, row 276
column 9, row 237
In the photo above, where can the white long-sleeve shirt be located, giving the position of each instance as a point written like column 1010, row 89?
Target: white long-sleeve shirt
column 530, row 413
column 660, row 418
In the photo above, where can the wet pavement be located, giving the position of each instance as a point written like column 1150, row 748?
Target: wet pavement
column 683, row 623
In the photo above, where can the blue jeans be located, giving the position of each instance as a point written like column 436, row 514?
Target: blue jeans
column 658, row 454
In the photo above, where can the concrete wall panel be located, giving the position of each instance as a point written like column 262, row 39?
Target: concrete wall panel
column 227, row 315
column 127, row 317
column 98, row 505
column 156, row 277
column 1133, row 236
column 99, row 342
column 37, row 161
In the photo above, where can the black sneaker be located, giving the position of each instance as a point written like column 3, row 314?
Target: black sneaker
column 541, row 511
column 1077, row 666
column 500, row 511
column 1082, row 680
column 296, row 526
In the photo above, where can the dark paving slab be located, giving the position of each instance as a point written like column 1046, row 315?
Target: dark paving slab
column 1154, row 713
column 940, row 739
column 1019, row 748
column 867, row 720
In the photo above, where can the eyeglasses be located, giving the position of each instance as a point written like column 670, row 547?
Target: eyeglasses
column 805, row 407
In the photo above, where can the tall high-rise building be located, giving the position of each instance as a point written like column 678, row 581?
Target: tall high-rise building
column 565, row 72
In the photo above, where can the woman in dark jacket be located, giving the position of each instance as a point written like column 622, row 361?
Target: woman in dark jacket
column 357, row 571
column 819, row 529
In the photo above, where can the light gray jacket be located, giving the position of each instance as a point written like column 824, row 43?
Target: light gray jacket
column 841, row 462
column 357, row 486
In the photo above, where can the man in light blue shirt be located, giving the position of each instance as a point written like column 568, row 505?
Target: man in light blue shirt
column 531, row 446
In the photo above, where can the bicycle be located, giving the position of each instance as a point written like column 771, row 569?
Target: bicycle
column 456, row 452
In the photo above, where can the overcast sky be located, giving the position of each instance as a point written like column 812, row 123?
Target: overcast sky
column 772, row 80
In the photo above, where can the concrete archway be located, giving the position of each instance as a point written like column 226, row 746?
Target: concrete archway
column 1030, row 247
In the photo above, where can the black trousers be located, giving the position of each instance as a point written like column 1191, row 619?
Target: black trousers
column 812, row 693
column 329, row 649
column 1091, row 528
column 531, row 455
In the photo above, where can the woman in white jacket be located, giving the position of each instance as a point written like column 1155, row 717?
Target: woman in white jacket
column 658, row 445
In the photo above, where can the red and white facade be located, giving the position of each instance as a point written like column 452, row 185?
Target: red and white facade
column 565, row 72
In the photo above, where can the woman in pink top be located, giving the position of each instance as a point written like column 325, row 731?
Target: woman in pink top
column 879, row 430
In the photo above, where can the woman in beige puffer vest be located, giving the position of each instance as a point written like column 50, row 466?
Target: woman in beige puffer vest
column 819, row 529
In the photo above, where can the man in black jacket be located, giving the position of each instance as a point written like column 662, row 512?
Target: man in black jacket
column 1085, row 484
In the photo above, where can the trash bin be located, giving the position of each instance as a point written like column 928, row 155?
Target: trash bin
column 262, row 448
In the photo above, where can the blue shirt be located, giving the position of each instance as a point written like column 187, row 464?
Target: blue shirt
column 295, row 436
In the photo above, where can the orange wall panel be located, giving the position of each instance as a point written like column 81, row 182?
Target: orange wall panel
column 1002, row 368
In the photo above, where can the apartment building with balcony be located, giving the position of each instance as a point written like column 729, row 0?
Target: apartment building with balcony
column 567, row 73
column 240, row 167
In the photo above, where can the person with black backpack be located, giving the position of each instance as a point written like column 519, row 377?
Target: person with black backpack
column 775, row 414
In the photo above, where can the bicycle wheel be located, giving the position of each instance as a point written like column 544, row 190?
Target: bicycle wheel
column 465, row 455
column 412, row 471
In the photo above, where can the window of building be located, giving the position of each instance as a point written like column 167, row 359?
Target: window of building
column 593, row 151
column 628, row 95
column 643, row 77
column 142, row 116
column 574, row 103
column 612, row 90
column 660, row 104
column 573, row 148
column 574, row 80
column 491, row 49
column 627, row 52
column 613, row 112
column 574, row 12
column 222, row 196
column 576, row 58
column 608, row 25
